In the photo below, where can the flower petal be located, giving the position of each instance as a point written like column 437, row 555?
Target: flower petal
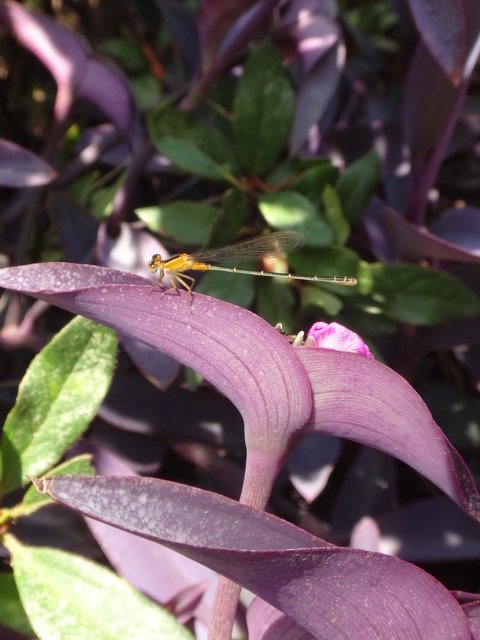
column 337, row 337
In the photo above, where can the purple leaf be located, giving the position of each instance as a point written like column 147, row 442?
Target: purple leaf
column 426, row 84
column 22, row 168
column 386, row 413
column 104, row 143
column 313, row 33
column 179, row 19
column 366, row 535
column 306, row 578
column 214, row 20
column 132, row 404
column 267, row 623
column 76, row 226
column 311, row 463
column 104, row 85
column 69, row 61
column 225, row 30
column 157, row 367
column 393, row 237
column 446, row 534
column 441, row 25
column 368, row 489
column 127, row 251
column 472, row 611
column 460, row 227
column 267, row 380
column 157, row 571
column 321, row 54
column 245, row 358
column 429, row 131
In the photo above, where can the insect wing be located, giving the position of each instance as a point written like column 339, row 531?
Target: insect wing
column 268, row 246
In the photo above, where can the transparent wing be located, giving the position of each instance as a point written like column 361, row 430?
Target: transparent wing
column 253, row 249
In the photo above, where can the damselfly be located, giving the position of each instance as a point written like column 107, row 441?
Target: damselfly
column 269, row 246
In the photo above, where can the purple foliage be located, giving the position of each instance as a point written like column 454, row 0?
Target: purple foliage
column 293, row 571
column 22, row 168
column 150, row 149
column 76, row 72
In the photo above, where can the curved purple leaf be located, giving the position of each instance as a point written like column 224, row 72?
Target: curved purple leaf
column 311, row 463
column 314, row 93
column 455, row 235
column 104, row 85
column 267, row 623
column 472, row 35
column 157, row 571
column 62, row 52
column 472, row 611
column 386, row 413
column 69, row 60
column 441, row 25
column 132, row 404
column 314, row 34
column 225, row 29
column 321, row 54
column 460, row 227
column 238, row 352
column 22, row 168
column 179, row 19
column 214, row 20
column 429, row 131
column 127, row 250
column 426, row 84
column 369, row 488
column 157, row 367
column 103, row 143
column 76, row 226
column 326, row 589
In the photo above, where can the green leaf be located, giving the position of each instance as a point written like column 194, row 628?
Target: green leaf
column 334, row 215
column 333, row 261
column 12, row 614
column 263, row 110
column 290, row 210
column 145, row 89
column 68, row 597
column 235, row 288
column 81, row 189
column 126, row 53
column 190, row 145
column 57, row 398
column 187, row 222
column 101, row 200
column 311, row 183
column 232, row 219
column 34, row 500
column 413, row 294
column 192, row 379
column 321, row 299
column 356, row 185
column 275, row 302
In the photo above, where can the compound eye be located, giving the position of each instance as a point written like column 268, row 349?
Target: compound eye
column 154, row 263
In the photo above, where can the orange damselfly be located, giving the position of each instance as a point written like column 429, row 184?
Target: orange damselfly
column 268, row 246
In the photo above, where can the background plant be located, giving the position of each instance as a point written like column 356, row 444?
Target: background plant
column 365, row 142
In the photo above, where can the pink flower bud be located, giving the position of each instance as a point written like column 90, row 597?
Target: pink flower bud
column 337, row 337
